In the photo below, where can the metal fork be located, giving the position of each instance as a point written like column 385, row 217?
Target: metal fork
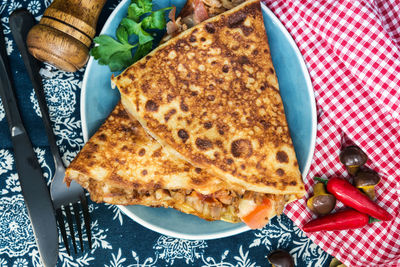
column 64, row 198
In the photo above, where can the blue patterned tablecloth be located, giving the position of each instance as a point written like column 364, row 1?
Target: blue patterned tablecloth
column 117, row 240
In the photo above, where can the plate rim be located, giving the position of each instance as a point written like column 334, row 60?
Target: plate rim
column 309, row 86
column 244, row 227
column 82, row 106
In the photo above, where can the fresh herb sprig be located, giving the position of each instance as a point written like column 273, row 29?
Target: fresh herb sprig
column 117, row 53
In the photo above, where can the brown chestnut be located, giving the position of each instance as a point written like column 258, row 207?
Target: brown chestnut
column 366, row 180
column 321, row 203
column 353, row 158
column 336, row 263
column 280, row 258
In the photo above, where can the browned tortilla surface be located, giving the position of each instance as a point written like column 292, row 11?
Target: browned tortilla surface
column 210, row 96
column 121, row 164
column 120, row 154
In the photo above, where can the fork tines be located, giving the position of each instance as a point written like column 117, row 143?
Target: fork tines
column 76, row 210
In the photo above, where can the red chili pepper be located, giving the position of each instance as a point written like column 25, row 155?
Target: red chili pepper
column 342, row 220
column 352, row 197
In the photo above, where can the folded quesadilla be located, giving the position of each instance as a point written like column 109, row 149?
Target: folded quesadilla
column 210, row 96
column 121, row 164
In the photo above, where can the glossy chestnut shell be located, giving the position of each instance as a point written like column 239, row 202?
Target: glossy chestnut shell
column 281, row 258
column 353, row 158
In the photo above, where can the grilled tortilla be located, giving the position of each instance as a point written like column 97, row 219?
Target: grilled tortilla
column 121, row 154
column 121, row 164
column 210, row 96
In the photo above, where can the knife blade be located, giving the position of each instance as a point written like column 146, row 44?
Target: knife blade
column 21, row 21
column 33, row 186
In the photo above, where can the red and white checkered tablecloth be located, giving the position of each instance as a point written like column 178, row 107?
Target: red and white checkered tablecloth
column 352, row 51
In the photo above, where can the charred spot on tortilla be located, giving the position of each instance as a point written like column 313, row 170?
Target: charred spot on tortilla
column 157, row 153
column 183, row 106
column 281, row 156
column 102, row 137
column 180, row 43
column 151, row 106
column 192, row 39
column 280, row 172
column 183, row 135
column 241, row 148
column 169, row 114
column 208, row 125
column 243, row 60
column 265, row 124
column 229, row 161
column 203, row 143
column 142, row 152
column 235, row 20
column 170, row 98
column 247, row 30
column 210, row 28
column 211, row 97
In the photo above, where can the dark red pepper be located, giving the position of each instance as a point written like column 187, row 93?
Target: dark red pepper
column 352, row 197
column 342, row 220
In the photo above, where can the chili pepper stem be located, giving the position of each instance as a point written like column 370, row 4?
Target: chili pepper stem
column 373, row 220
column 322, row 180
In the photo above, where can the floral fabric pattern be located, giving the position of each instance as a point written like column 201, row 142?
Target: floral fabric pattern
column 117, row 240
column 16, row 236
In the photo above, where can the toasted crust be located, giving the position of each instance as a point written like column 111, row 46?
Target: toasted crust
column 211, row 97
column 110, row 166
column 120, row 154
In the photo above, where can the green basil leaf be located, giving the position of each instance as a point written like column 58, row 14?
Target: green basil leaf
column 122, row 34
column 107, row 47
column 136, row 28
column 138, row 8
column 147, row 5
column 155, row 21
column 120, row 60
column 142, row 50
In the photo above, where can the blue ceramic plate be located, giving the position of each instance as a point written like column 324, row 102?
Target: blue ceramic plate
column 98, row 99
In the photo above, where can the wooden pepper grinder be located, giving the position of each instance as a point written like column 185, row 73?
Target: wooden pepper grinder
column 65, row 33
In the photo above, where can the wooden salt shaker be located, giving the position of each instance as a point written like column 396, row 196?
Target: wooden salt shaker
column 65, row 33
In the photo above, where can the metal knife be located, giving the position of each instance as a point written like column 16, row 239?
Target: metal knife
column 33, row 185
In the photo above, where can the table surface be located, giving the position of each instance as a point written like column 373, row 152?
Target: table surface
column 117, row 240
